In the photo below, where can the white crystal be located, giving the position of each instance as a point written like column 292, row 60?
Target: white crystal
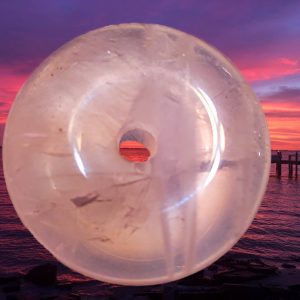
column 121, row 221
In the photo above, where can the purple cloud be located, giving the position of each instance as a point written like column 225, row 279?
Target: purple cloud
column 32, row 29
column 287, row 94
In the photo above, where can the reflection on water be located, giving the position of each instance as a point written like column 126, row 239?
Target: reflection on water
column 274, row 234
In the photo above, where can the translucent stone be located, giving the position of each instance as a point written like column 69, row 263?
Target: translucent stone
column 136, row 222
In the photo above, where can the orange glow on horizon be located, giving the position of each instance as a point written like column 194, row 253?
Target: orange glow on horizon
column 134, row 151
column 283, row 120
column 10, row 85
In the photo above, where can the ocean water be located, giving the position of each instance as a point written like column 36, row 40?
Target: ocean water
column 274, row 234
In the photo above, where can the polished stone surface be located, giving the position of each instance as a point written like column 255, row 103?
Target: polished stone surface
column 120, row 221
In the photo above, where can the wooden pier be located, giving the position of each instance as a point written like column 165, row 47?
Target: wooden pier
column 292, row 162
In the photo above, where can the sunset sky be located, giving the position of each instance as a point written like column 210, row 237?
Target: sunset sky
column 261, row 37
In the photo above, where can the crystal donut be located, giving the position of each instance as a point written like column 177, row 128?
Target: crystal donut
column 125, row 221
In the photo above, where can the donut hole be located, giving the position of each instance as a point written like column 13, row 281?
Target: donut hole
column 137, row 145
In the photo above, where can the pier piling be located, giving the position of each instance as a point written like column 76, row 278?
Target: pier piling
column 296, row 166
column 290, row 167
column 292, row 161
column 278, row 164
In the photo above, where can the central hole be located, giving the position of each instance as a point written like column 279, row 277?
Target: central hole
column 136, row 145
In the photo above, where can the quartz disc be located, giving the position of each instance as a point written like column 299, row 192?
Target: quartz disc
column 126, row 219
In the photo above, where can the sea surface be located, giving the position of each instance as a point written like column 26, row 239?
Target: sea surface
column 274, row 234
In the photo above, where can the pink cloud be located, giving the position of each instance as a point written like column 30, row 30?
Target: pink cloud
column 270, row 69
